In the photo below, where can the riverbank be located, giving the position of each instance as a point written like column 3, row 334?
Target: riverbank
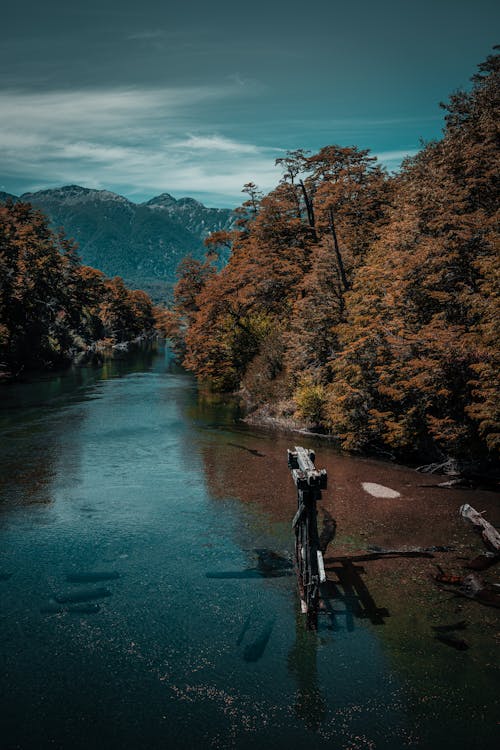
column 461, row 472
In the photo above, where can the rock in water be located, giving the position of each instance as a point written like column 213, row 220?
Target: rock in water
column 105, row 575
column 82, row 596
column 255, row 650
column 84, row 609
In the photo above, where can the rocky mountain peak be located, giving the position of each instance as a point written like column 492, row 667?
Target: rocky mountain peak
column 72, row 194
column 165, row 200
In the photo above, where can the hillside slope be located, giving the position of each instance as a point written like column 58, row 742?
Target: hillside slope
column 143, row 243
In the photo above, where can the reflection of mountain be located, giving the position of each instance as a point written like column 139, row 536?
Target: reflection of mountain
column 143, row 242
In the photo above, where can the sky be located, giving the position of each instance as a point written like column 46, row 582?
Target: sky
column 199, row 97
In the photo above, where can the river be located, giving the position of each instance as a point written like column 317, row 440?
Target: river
column 185, row 638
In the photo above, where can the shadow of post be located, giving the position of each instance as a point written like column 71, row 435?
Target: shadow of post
column 352, row 591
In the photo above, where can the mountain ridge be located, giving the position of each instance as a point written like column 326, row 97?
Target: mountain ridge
column 142, row 242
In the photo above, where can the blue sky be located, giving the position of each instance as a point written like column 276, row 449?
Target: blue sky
column 197, row 98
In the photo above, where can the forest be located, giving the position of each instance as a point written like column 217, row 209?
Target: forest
column 53, row 308
column 361, row 304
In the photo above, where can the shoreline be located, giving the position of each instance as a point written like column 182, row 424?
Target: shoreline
column 462, row 473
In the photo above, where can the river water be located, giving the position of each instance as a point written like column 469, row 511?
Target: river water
column 144, row 605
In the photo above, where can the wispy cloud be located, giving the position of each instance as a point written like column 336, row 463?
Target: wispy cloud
column 133, row 140
column 217, row 143
column 392, row 159
column 147, row 35
column 137, row 141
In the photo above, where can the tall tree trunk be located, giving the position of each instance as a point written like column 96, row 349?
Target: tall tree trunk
column 340, row 262
column 309, row 209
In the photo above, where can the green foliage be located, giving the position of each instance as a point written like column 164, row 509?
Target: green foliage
column 143, row 243
column 310, row 398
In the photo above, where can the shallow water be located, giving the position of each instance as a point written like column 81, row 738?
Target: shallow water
column 146, row 599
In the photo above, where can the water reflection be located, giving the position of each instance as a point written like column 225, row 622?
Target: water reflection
column 310, row 703
column 40, row 424
column 35, row 454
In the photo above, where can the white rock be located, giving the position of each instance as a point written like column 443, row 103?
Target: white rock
column 378, row 490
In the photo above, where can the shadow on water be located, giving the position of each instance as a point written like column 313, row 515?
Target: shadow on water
column 328, row 531
column 255, row 650
column 269, row 565
column 253, row 451
column 350, row 590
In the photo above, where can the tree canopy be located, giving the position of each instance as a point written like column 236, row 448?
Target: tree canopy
column 364, row 303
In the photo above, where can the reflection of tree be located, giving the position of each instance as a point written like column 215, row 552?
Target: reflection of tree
column 310, row 705
column 34, row 454
column 40, row 426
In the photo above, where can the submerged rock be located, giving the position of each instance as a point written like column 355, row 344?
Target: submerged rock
column 51, row 609
column 92, row 577
column 82, row 596
column 84, row 609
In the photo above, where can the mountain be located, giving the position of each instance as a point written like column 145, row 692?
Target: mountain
column 4, row 197
column 142, row 242
column 193, row 215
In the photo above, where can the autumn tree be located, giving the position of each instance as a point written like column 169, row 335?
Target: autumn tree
column 368, row 301
column 418, row 361
column 52, row 307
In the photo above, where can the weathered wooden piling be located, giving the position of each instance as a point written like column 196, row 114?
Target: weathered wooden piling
column 309, row 565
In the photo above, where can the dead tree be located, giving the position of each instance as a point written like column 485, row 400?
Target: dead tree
column 309, row 565
column 490, row 535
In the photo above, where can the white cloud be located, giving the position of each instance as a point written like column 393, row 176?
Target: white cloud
column 217, row 143
column 95, row 109
column 392, row 159
column 128, row 139
column 137, row 141
column 396, row 155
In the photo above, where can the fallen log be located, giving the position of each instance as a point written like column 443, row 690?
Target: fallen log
column 450, row 467
column 490, row 535
column 473, row 587
column 483, row 562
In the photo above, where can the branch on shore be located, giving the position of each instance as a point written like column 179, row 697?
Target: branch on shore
column 490, row 535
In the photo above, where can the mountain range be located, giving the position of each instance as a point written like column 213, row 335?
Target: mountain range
column 142, row 242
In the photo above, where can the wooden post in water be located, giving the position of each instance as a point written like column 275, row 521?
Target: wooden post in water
column 309, row 566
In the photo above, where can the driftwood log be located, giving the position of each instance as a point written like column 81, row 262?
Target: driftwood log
column 473, row 587
column 490, row 535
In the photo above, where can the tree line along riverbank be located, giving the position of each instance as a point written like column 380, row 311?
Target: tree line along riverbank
column 362, row 304
column 54, row 309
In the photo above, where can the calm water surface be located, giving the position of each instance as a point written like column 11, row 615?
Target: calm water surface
column 187, row 641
